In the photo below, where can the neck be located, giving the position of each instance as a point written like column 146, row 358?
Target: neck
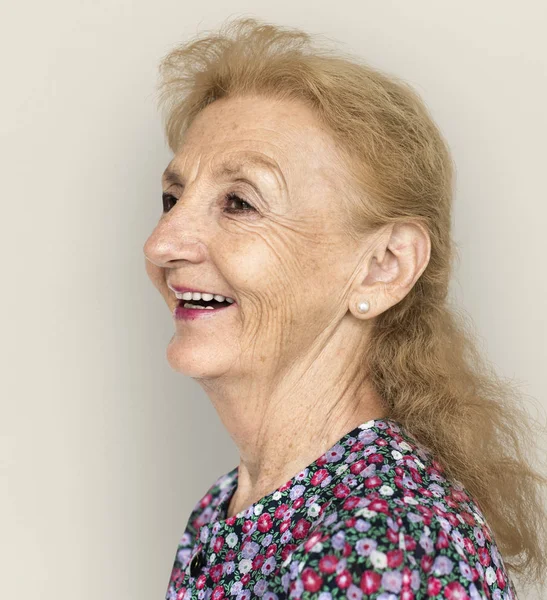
column 282, row 423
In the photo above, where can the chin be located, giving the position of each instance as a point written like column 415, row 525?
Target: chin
column 192, row 361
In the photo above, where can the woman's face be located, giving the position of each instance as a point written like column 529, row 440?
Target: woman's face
column 287, row 262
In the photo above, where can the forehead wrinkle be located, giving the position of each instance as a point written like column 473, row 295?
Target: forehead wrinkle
column 234, row 166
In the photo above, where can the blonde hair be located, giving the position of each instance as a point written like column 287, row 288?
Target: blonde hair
column 423, row 355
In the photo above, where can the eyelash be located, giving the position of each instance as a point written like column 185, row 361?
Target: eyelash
column 230, row 196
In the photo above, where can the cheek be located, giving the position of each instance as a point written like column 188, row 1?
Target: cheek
column 156, row 275
column 279, row 272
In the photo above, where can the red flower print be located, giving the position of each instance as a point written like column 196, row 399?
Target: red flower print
column 426, row 563
column 175, row 575
column 427, row 514
column 347, row 549
column 341, row 490
column 410, row 542
column 372, row 482
column 407, row 594
column 394, row 558
column 311, row 580
column 436, row 465
column 455, row 591
column 416, row 476
column 357, row 447
column 319, row 476
column 433, row 586
column 247, row 526
column 312, row 540
column 216, row 573
column 357, row 466
column 218, row 593
column 298, row 502
column 264, row 523
column 350, row 522
column 501, row 579
column 392, row 535
column 379, row 505
column 460, row 495
column 343, row 579
column 206, row 500
column 271, row 550
column 280, row 511
column 284, row 525
column 468, row 518
column 258, row 561
column 218, row 543
column 301, row 529
column 200, row 581
column 439, row 511
column 287, row 549
column 442, row 540
column 376, row 458
column 407, row 577
column 327, row 564
column 351, row 502
column 484, row 556
column 286, row 486
column 370, row 582
column 468, row 545
column 452, row 519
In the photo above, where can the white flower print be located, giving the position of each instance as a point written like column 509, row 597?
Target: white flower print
column 378, row 559
column 490, row 575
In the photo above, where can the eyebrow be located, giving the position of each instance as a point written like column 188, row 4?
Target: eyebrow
column 233, row 167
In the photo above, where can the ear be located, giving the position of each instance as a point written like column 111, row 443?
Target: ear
column 396, row 263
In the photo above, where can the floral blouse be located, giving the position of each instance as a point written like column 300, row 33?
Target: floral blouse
column 373, row 517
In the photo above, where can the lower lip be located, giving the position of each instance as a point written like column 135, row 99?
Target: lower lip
column 189, row 314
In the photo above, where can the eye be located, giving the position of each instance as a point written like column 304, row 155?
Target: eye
column 168, row 201
column 232, row 197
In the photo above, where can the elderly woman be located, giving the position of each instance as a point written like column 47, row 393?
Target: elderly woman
column 305, row 251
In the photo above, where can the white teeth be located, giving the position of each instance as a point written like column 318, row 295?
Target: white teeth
column 202, row 296
column 190, row 305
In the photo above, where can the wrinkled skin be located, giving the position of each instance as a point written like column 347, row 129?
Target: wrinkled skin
column 284, row 367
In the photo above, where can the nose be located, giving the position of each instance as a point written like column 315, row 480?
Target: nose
column 173, row 241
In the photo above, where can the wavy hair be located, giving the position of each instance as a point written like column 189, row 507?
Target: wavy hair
column 423, row 353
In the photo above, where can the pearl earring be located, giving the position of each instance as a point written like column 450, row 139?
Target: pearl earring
column 363, row 306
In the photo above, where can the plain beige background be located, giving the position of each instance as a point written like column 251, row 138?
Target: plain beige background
column 104, row 449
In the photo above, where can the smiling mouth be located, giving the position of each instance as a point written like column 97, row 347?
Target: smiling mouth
column 203, row 304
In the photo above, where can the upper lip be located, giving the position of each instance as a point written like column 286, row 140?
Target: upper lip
column 180, row 289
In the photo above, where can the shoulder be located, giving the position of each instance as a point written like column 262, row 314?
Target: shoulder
column 405, row 532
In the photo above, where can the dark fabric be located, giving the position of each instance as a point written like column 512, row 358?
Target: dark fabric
column 373, row 517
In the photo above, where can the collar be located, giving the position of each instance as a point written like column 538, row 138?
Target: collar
column 304, row 498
